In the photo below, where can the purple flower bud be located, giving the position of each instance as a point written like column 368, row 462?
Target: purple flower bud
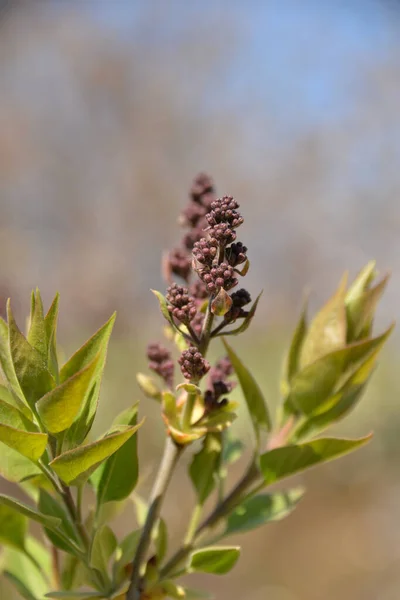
column 193, row 365
column 219, row 276
column 205, row 251
column 239, row 299
column 236, row 254
column 179, row 263
column 223, row 233
column 223, row 210
column 161, row 362
column 183, row 306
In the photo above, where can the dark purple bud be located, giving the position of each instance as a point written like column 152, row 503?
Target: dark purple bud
column 198, row 290
column 183, row 306
column 217, row 277
column 223, row 210
column 236, row 254
column 239, row 299
column 205, row 251
column 179, row 263
column 223, row 233
column 161, row 362
column 197, row 324
column 193, row 365
column 193, row 214
column 202, row 184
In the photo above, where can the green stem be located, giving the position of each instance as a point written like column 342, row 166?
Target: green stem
column 188, row 410
column 55, row 562
column 194, row 522
column 223, row 509
column 170, row 458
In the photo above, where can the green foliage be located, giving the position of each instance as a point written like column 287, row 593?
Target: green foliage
column 75, row 466
column 217, row 560
column 260, row 509
column 111, row 480
column 47, row 412
column 254, row 398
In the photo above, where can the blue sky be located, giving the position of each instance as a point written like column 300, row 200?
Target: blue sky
column 306, row 50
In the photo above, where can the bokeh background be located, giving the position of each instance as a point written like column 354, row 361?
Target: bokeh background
column 108, row 109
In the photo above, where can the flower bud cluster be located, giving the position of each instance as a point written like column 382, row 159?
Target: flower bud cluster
column 240, row 298
column 218, row 385
column 182, row 305
column 193, row 365
column 236, row 254
column 161, row 362
column 217, row 277
column 202, row 194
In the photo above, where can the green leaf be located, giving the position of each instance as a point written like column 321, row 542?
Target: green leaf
column 23, row 573
column 314, row 384
column 125, row 555
column 361, row 310
column 17, row 432
column 295, row 347
column 13, row 527
column 261, row 509
column 117, row 477
column 88, row 351
column 148, row 386
column 246, row 321
column 14, row 467
column 174, row 591
column 49, row 506
column 204, row 467
column 161, row 540
column 288, row 460
column 254, row 398
column 59, row 408
column 8, row 395
column 30, row 445
column 217, row 560
column 6, row 360
column 327, row 331
column 30, row 367
column 103, row 547
column 50, row 322
column 75, row 466
column 345, row 400
column 28, row 511
column 81, row 359
column 361, row 283
column 233, row 449
column 37, row 331
column 20, row 586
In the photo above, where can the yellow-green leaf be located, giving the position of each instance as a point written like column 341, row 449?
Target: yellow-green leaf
column 20, row 434
column 30, row 366
column 288, row 460
column 31, row 513
column 37, row 331
column 217, row 560
column 59, row 408
column 112, row 480
column 327, row 331
column 75, row 466
column 13, row 527
column 251, row 391
column 261, row 509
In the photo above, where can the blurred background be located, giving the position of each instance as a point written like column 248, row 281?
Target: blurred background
column 108, row 109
